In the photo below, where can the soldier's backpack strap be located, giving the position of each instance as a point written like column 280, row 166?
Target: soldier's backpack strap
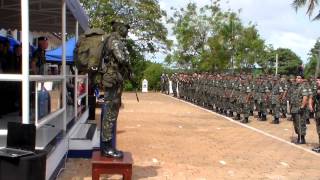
column 105, row 56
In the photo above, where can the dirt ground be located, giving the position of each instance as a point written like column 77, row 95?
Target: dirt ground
column 172, row 140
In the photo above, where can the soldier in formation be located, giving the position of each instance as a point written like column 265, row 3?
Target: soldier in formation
column 238, row 96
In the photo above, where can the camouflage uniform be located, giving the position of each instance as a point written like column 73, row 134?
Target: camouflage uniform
column 275, row 100
column 316, row 108
column 115, row 69
column 299, row 123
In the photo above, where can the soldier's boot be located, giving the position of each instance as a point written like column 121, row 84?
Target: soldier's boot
column 308, row 121
column 245, row 120
column 276, row 121
column 225, row 112
column 259, row 114
column 283, row 115
column 238, row 117
column 221, row 111
column 263, row 117
column 270, row 111
column 108, row 150
column 230, row 113
column 301, row 139
column 251, row 113
column 317, row 149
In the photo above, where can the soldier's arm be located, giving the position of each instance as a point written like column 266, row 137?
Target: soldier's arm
column 305, row 98
column 311, row 104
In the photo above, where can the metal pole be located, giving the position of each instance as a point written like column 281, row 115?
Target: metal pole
column 277, row 63
column 64, row 86
column 25, row 61
column 76, row 79
column 318, row 64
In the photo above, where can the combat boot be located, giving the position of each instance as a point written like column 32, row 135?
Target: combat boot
column 237, row 118
column 263, row 117
column 308, row 121
column 270, row 112
column 259, row 114
column 245, row 120
column 316, row 149
column 300, row 140
column 276, row 121
column 303, row 140
column 225, row 112
column 251, row 113
column 230, row 113
column 283, row 115
column 109, row 151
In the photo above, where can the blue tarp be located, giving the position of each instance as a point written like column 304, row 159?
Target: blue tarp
column 56, row 54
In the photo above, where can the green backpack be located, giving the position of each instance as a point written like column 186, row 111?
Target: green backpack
column 89, row 49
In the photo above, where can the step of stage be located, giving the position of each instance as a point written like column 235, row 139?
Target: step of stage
column 83, row 140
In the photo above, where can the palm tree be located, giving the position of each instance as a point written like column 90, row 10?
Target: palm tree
column 311, row 6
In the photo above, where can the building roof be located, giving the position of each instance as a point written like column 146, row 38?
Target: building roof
column 44, row 15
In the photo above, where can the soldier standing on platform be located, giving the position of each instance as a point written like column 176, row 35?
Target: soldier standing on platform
column 116, row 69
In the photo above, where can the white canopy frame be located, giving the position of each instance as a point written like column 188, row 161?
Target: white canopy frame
column 40, row 7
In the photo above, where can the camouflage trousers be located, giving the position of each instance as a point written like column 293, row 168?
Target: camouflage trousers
column 299, row 124
column 275, row 107
column 112, row 100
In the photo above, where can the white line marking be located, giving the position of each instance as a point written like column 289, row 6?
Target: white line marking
column 218, row 128
column 180, row 127
column 249, row 127
column 286, row 129
column 222, row 162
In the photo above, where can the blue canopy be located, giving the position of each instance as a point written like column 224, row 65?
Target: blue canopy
column 56, row 54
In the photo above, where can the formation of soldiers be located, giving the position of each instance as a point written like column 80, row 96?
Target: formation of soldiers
column 241, row 95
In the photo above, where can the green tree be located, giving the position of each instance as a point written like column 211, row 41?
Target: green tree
column 310, row 68
column 152, row 74
column 144, row 18
column 288, row 61
column 191, row 29
column 311, row 5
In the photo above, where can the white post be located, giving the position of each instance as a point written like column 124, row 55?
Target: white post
column 25, row 61
column 77, row 31
column 277, row 63
column 76, row 79
column 64, row 86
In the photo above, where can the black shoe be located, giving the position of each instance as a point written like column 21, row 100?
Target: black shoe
column 109, row 151
column 307, row 121
column 264, row 117
column 245, row 120
column 276, row 121
column 237, row 118
column 300, row 140
column 316, row 149
column 259, row 114
column 251, row 113
column 283, row 115
column 230, row 113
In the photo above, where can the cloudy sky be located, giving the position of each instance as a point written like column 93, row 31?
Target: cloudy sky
column 278, row 23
